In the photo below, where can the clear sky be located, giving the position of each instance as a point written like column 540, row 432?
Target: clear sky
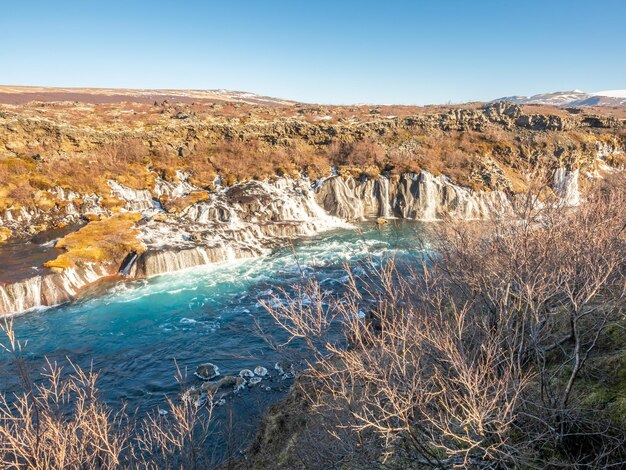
column 409, row 52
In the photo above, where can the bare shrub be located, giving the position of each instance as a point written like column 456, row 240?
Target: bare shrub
column 61, row 422
column 475, row 357
column 177, row 439
column 360, row 153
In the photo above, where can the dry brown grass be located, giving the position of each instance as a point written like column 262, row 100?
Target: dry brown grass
column 473, row 359
column 180, row 203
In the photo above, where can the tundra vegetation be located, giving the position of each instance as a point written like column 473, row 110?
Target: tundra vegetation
column 504, row 348
column 80, row 147
column 99, row 241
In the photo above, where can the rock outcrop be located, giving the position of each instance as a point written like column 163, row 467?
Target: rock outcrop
column 411, row 196
column 49, row 289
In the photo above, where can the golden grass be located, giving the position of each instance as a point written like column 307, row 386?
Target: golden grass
column 103, row 241
column 5, row 234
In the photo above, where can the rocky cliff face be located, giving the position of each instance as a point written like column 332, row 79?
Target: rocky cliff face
column 20, row 132
column 49, row 289
column 410, row 196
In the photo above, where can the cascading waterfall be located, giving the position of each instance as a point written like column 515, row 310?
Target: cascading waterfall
column 137, row 200
column 20, row 296
column 153, row 263
column 412, row 196
column 384, row 197
column 429, row 196
column 229, row 226
column 173, row 189
column 48, row 289
column 566, row 186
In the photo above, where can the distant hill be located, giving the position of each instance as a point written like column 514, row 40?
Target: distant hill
column 25, row 94
column 572, row 98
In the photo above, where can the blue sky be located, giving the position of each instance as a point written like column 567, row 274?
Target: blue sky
column 409, row 52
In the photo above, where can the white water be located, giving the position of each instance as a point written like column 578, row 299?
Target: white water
column 566, row 186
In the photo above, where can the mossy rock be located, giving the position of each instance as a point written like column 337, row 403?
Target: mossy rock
column 5, row 234
column 104, row 241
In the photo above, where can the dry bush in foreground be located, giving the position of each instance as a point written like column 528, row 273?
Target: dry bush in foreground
column 60, row 422
column 479, row 358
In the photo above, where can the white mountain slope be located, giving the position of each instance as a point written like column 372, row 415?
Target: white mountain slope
column 572, row 98
column 19, row 94
column 611, row 93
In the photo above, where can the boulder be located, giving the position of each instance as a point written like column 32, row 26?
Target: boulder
column 254, row 381
column 225, row 382
column 246, row 373
column 285, row 369
column 207, row 371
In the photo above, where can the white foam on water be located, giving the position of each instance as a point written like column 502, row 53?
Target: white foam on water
column 195, row 288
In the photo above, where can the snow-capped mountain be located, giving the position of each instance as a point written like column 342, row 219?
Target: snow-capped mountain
column 572, row 98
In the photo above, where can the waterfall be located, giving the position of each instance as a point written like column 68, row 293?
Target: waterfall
column 384, row 198
column 340, row 197
column 237, row 222
column 177, row 189
column 566, row 186
column 20, row 296
column 128, row 262
column 429, row 196
column 136, row 200
column 48, row 289
column 152, row 263
column 420, row 196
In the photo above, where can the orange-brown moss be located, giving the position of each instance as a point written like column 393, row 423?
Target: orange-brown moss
column 44, row 200
column 113, row 204
column 104, row 241
column 179, row 203
column 5, row 234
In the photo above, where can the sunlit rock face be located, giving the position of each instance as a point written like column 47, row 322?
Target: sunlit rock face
column 136, row 200
column 565, row 185
column 48, row 289
column 412, row 196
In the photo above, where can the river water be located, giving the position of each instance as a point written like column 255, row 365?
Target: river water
column 134, row 333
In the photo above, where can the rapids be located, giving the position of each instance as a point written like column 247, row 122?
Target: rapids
column 133, row 331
